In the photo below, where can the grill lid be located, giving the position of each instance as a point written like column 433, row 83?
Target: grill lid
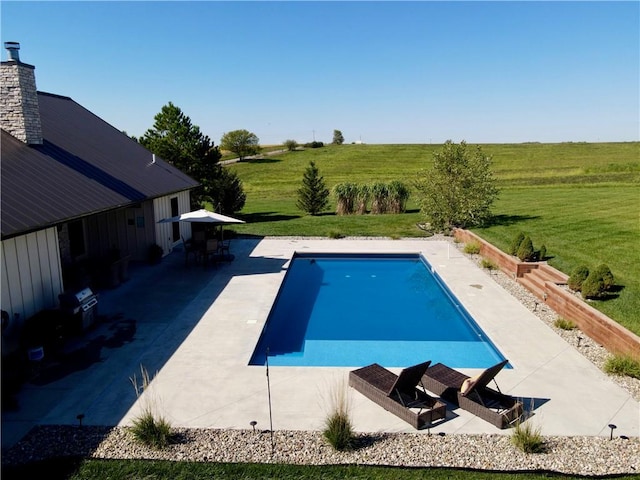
column 84, row 295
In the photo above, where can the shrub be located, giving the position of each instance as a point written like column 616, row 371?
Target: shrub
column 290, row 145
column 622, row 365
column 604, row 272
column 525, row 250
column 515, row 243
column 335, row 234
column 314, row 144
column 527, row 438
column 577, row 278
column 488, row 264
column 593, row 286
column 542, row 254
column 472, row 248
column 338, row 429
column 564, row 324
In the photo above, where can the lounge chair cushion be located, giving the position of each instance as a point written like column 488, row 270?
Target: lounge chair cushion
column 468, row 385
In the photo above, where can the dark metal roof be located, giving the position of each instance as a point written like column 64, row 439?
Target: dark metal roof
column 84, row 166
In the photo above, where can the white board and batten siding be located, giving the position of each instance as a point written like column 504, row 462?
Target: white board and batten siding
column 162, row 209
column 31, row 273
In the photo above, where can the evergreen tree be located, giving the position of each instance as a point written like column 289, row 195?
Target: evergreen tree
column 176, row 140
column 313, row 196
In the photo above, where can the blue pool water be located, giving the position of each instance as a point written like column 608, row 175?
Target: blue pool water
column 354, row 310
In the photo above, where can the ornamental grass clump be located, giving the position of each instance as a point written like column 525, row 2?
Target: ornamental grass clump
column 345, row 194
column 398, row 196
column 379, row 198
column 564, row 324
column 472, row 248
column 338, row 429
column 528, row 438
column 622, row 365
column 362, row 199
column 149, row 427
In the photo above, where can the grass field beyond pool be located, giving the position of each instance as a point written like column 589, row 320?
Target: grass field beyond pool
column 581, row 200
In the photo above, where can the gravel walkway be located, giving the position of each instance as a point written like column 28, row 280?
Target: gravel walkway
column 569, row 455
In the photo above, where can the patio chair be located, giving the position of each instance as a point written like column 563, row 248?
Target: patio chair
column 211, row 251
column 473, row 394
column 189, row 249
column 398, row 393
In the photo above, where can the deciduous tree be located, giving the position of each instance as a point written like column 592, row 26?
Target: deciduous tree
column 338, row 139
column 241, row 142
column 459, row 189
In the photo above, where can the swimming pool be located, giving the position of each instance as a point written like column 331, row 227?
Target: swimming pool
column 352, row 310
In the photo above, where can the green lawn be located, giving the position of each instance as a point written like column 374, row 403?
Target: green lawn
column 156, row 470
column 581, row 200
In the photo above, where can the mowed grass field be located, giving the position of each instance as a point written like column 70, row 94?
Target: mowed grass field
column 582, row 200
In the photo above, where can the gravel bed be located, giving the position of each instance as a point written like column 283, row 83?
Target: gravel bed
column 569, row 455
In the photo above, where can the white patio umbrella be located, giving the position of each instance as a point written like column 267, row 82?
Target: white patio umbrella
column 203, row 216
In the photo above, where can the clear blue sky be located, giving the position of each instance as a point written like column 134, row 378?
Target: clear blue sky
column 382, row 72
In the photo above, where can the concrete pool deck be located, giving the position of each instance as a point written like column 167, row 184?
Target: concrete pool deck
column 197, row 328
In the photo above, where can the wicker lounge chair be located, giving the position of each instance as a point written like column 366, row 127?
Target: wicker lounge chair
column 493, row 406
column 398, row 393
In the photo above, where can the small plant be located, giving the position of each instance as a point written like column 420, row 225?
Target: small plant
column 622, row 365
column 525, row 250
column 564, row 324
column 577, row 278
column 335, row 234
column 527, row 438
column 515, row 243
column 604, row 272
column 488, row 264
column 149, row 428
column 338, row 429
column 593, row 286
column 472, row 248
column 542, row 253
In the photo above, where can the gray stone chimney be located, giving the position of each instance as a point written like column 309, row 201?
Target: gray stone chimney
column 19, row 112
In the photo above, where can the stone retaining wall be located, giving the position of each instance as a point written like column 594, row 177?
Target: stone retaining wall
column 592, row 322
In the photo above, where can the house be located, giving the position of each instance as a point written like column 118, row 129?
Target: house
column 76, row 194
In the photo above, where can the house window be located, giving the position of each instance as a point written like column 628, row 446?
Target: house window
column 77, row 246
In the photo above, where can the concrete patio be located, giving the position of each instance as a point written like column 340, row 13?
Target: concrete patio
column 197, row 328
